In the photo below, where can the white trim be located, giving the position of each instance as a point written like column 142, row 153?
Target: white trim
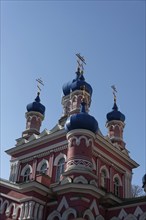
column 29, row 145
column 43, row 161
column 53, row 215
column 94, row 164
column 60, row 156
column 122, row 214
column 110, row 148
column 80, row 179
column 95, row 207
column 118, row 177
column 29, row 198
column 62, row 204
column 25, row 168
column 130, row 217
column 138, row 211
column 89, row 213
column 143, row 216
column 43, row 151
column 68, row 212
column 104, row 168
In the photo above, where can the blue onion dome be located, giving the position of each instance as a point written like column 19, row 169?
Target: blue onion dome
column 144, row 180
column 115, row 114
column 77, row 84
column 81, row 120
column 36, row 106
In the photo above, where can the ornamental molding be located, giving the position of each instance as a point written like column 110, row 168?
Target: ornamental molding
column 79, row 188
column 110, row 148
column 34, row 154
column 122, row 214
column 80, row 132
column 61, row 155
column 135, row 205
column 80, row 179
column 63, row 205
column 79, row 164
column 41, row 140
column 26, row 199
column 27, row 210
column 43, row 161
column 138, row 211
column 27, row 187
column 109, row 160
column 104, row 168
column 119, row 178
column 77, row 140
column 25, row 168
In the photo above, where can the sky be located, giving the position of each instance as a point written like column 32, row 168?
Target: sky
column 41, row 38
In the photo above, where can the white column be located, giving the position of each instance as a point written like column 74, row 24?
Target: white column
column 36, row 211
column 40, row 215
column 51, row 161
column 16, row 170
column 21, row 212
column 30, row 212
column 26, row 210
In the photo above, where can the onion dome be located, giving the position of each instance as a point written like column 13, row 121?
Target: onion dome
column 77, row 84
column 115, row 114
column 36, row 106
column 144, row 180
column 81, row 120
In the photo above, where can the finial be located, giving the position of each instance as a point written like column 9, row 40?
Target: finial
column 114, row 93
column 40, row 82
column 80, row 62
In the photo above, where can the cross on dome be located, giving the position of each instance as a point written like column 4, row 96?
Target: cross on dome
column 40, row 82
column 80, row 62
column 114, row 92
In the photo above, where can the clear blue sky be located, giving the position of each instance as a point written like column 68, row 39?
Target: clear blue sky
column 41, row 38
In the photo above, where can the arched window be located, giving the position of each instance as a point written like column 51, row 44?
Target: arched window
column 43, row 168
column 116, row 186
column 60, row 168
column 26, row 176
column 103, row 178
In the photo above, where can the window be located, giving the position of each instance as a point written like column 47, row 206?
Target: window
column 103, row 179
column 26, row 176
column 60, row 168
column 43, row 168
column 116, row 186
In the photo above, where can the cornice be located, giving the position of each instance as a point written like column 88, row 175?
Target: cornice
column 31, row 156
column 26, row 187
column 116, row 152
column 26, row 199
column 132, row 203
column 78, row 188
column 34, row 143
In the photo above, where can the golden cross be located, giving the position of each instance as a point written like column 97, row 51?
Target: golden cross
column 114, row 92
column 80, row 61
column 40, row 82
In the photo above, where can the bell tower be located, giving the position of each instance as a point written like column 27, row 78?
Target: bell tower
column 115, row 124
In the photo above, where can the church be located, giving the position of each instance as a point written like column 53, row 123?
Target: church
column 71, row 172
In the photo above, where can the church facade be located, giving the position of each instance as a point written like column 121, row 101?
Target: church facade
column 71, row 172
